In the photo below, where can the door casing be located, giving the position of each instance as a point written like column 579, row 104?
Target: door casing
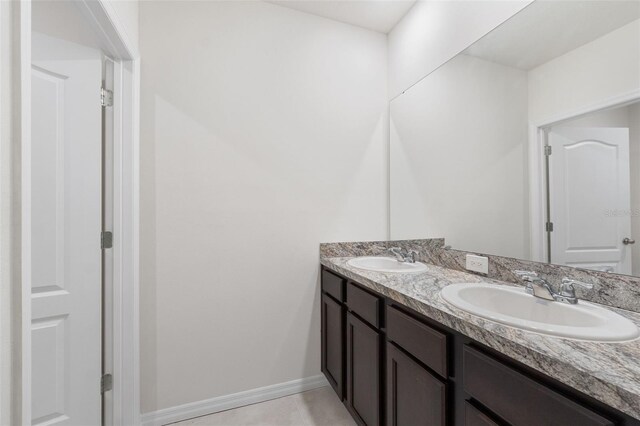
column 125, row 293
column 538, row 216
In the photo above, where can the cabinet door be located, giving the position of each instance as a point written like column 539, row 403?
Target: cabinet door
column 333, row 314
column 363, row 371
column 475, row 417
column 414, row 396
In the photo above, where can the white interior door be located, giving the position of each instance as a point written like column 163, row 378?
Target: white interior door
column 590, row 197
column 65, row 233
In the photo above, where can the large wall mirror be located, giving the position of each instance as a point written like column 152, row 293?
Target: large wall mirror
column 527, row 144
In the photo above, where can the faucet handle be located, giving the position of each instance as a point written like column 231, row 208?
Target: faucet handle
column 570, row 282
column 412, row 254
column 397, row 251
column 567, row 288
column 526, row 275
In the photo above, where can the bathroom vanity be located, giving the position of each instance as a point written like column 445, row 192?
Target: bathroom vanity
column 397, row 354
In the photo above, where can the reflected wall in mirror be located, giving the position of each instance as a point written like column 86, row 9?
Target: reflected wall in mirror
column 527, row 144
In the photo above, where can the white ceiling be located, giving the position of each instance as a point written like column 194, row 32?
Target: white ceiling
column 547, row 29
column 376, row 15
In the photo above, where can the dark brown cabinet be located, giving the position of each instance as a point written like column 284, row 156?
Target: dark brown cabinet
column 414, row 396
column 333, row 328
column 391, row 365
column 363, row 371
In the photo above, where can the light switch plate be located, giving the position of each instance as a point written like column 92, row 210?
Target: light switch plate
column 477, row 263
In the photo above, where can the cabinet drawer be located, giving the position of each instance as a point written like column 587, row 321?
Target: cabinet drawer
column 365, row 304
column 333, row 285
column 423, row 342
column 519, row 399
column 475, row 417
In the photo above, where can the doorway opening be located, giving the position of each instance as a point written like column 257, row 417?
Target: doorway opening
column 79, row 213
column 592, row 190
column 71, row 125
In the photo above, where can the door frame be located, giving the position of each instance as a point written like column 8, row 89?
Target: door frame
column 126, row 353
column 537, row 168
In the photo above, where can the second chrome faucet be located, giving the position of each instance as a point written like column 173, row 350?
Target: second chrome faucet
column 404, row 255
column 539, row 287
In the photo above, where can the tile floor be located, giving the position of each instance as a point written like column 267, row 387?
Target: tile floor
column 318, row 407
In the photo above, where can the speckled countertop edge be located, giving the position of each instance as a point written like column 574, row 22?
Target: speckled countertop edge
column 608, row 372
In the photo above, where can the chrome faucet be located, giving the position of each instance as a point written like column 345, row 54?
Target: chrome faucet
column 539, row 287
column 404, row 255
column 535, row 285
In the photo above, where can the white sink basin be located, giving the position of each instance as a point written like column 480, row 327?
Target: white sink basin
column 513, row 306
column 386, row 264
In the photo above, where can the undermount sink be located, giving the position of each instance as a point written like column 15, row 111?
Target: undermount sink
column 514, row 307
column 386, row 264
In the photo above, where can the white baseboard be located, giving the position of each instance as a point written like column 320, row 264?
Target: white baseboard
column 227, row 402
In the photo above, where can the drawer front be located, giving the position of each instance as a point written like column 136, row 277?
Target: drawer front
column 366, row 305
column 333, row 285
column 423, row 342
column 517, row 398
column 475, row 417
column 414, row 396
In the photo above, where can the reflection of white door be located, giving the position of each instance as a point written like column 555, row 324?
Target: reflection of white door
column 65, row 234
column 590, row 197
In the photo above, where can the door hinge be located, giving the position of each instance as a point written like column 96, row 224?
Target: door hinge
column 547, row 150
column 549, row 226
column 106, row 240
column 106, row 97
column 106, row 383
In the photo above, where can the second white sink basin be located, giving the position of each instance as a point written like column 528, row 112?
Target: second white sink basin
column 386, row 264
column 513, row 306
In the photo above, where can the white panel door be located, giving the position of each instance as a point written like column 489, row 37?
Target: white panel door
column 590, row 198
column 65, row 234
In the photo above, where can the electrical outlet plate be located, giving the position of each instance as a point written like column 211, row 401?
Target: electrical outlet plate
column 477, row 263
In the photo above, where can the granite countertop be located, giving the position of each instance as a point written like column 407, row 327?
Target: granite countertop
column 609, row 372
